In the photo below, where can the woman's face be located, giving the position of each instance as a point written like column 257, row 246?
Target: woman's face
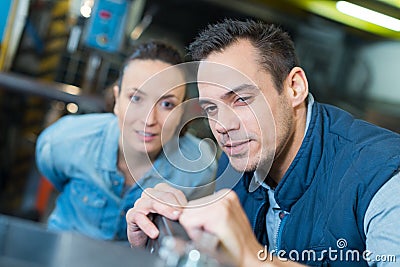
column 147, row 105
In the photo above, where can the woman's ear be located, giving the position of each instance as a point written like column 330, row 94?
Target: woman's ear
column 116, row 99
column 297, row 84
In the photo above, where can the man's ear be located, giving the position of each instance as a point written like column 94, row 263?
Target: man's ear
column 116, row 99
column 297, row 85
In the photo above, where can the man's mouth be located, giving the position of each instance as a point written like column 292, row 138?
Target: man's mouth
column 235, row 143
column 236, row 147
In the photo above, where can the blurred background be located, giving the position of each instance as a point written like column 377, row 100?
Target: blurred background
column 61, row 57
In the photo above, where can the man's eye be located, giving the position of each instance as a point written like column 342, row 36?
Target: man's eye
column 135, row 99
column 167, row 104
column 245, row 100
column 210, row 110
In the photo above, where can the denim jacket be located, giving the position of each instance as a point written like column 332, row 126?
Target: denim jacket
column 78, row 155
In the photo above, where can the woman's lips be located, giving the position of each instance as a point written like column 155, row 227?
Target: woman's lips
column 146, row 136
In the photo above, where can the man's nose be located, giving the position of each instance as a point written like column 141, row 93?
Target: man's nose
column 228, row 120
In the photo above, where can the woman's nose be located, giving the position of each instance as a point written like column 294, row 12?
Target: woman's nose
column 151, row 117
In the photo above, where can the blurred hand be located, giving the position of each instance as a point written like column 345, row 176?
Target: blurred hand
column 162, row 199
column 222, row 215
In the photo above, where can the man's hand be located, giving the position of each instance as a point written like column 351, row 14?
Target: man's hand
column 162, row 199
column 222, row 215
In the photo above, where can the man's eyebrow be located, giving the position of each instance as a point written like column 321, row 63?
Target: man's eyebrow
column 233, row 91
column 238, row 89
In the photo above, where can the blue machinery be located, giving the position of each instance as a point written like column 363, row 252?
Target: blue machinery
column 105, row 29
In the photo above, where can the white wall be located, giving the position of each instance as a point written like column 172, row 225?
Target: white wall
column 383, row 62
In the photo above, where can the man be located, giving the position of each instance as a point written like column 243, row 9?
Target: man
column 328, row 181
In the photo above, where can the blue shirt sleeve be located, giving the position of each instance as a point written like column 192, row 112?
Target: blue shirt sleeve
column 381, row 225
column 46, row 159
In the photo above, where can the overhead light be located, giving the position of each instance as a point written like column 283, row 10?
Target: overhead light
column 368, row 15
column 86, row 8
column 139, row 29
column 72, row 108
column 86, row 11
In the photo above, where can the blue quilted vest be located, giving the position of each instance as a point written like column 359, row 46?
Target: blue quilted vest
column 326, row 191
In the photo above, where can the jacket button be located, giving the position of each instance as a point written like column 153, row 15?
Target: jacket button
column 282, row 214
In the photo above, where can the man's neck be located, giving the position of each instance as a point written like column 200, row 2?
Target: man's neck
column 285, row 158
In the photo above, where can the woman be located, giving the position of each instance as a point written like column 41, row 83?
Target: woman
column 101, row 163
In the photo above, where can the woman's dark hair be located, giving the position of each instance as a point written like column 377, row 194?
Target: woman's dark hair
column 275, row 47
column 152, row 50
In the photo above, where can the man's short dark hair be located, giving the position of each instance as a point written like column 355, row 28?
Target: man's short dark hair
column 275, row 47
column 152, row 50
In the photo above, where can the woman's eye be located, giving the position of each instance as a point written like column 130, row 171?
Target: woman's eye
column 135, row 99
column 168, row 105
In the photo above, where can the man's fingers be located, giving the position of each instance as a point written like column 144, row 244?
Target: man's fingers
column 221, row 205
column 211, row 199
column 179, row 195
column 165, row 200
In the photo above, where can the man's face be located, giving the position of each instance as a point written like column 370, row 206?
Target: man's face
column 249, row 118
column 147, row 105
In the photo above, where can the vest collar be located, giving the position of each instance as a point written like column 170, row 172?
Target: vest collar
column 301, row 172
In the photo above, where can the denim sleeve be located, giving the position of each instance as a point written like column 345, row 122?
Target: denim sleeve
column 46, row 161
column 381, row 225
column 191, row 166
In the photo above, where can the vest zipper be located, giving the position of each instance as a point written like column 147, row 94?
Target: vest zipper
column 279, row 232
